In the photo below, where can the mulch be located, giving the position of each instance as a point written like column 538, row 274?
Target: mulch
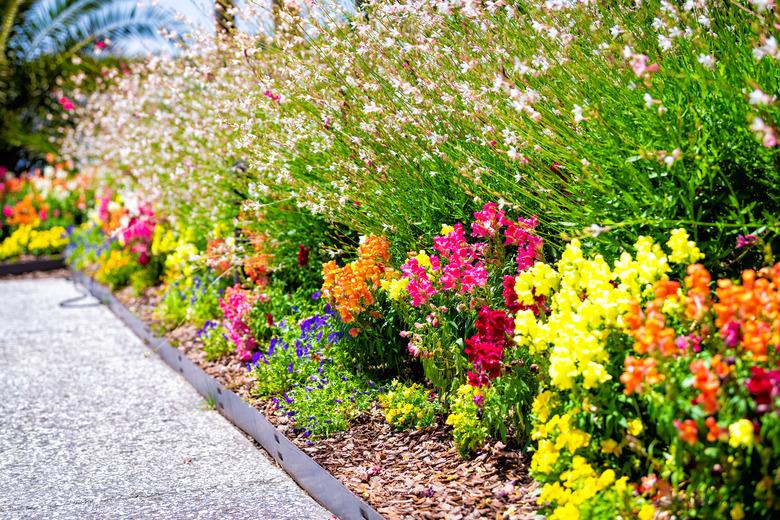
column 409, row 475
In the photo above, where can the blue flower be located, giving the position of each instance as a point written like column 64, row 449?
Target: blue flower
column 316, row 295
column 290, row 369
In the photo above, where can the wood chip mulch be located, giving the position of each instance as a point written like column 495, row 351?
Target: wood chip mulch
column 415, row 474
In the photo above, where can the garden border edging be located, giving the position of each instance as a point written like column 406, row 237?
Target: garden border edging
column 31, row 266
column 318, row 482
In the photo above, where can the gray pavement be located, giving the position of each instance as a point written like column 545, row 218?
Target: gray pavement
column 92, row 425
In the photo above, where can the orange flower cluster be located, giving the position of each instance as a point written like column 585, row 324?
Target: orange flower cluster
column 752, row 309
column 351, row 287
column 637, row 371
column 715, row 432
column 649, row 328
column 698, row 299
column 707, row 384
column 257, row 266
column 689, row 432
column 218, row 256
column 24, row 212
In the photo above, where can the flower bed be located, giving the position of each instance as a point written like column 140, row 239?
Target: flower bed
column 38, row 209
column 474, row 233
column 541, row 353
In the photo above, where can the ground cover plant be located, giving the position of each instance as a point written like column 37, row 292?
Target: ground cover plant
column 550, row 226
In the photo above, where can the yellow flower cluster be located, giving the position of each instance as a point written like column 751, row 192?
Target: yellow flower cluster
column 467, row 429
column 577, row 485
column 588, row 299
column 684, row 251
column 116, row 261
column 27, row 239
column 741, row 433
column 408, row 406
column 585, row 303
column 48, row 241
column 163, row 241
column 180, row 263
column 395, row 288
column 16, row 243
column 638, row 274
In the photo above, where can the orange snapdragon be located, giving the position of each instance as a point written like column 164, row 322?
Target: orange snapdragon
column 708, row 385
column 648, row 327
column 752, row 309
column 698, row 299
column 638, row 371
column 351, row 287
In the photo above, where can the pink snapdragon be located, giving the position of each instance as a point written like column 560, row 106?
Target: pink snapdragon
column 420, row 287
column 138, row 234
column 487, row 222
column 521, row 234
column 236, row 305
column 464, row 269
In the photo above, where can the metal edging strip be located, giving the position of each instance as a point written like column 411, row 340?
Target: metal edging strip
column 41, row 264
column 318, row 482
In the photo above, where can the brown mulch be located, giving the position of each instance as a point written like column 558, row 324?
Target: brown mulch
column 415, row 474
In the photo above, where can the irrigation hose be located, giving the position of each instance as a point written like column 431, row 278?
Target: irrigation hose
column 71, row 303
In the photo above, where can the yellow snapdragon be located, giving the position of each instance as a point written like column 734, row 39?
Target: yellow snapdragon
column 395, row 289
column 741, row 433
column 684, row 251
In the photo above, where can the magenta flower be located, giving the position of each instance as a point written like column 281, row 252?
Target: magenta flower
column 66, row 103
column 746, row 240
column 731, row 334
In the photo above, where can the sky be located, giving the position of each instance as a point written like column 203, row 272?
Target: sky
column 198, row 11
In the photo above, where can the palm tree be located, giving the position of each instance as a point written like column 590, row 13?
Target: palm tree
column 44, row 41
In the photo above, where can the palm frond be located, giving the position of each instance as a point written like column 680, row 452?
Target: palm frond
column 66, row 26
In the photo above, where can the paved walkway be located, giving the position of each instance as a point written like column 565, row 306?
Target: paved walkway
column 94, row 426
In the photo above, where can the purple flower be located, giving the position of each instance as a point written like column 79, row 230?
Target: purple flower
column 316, row 295
column 290, row 369
column 479, row 400
column 746, row 240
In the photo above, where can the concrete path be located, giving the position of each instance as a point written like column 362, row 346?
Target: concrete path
column 92, row 425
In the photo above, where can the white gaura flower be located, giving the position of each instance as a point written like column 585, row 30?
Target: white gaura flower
column 758, row 97
column 706, row 60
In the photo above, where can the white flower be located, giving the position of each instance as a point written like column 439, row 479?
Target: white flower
column 762, row 5
column 578, row 117
column 370, row 108
column 758, row 97
column 769, row 48
column 707, row 60
column 664, row 42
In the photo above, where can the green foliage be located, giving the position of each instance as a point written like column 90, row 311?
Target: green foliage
column 409, row 406
column 194, row 300
column 215, row 342
column 468, row 429
column 87, row 243
column 329, row 401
